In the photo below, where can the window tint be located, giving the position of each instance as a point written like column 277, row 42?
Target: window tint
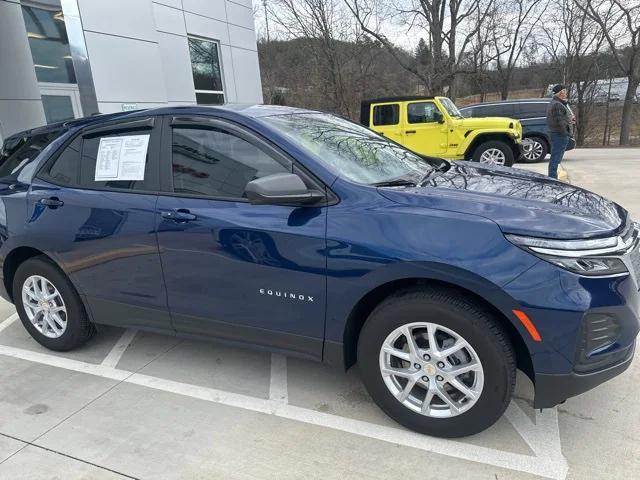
column 13, row 160
column 76, row 166
column 424, row 112
column 531, row 110
column 493, row 111
column 217, row 163
column 386, row 114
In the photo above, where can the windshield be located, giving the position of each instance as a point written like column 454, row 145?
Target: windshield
column 353, row 151
column 450, row 107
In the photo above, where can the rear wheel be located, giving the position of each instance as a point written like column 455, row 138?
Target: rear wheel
column 437, row 363
column 494, row 152
column 49, row 306
column 534, row 149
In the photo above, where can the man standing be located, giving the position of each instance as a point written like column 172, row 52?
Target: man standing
column 559, row 120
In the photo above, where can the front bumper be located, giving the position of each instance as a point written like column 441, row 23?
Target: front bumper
column 554, row 389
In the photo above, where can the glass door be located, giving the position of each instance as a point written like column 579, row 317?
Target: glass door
column 60, row 102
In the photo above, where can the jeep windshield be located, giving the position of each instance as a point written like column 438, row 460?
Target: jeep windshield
column 353, row 151
column 450, row 107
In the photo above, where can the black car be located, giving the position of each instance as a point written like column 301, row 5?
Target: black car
column 532, row 114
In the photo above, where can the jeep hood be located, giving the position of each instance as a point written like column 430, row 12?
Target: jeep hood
column 520, row 202
column 486, row 122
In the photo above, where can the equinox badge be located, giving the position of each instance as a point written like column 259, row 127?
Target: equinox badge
column 288, row 295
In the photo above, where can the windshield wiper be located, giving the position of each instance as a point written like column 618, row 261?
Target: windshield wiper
column 397, row 182
column 443, row 167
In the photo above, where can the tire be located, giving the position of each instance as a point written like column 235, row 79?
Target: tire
column 497, row 145
column 78, row 328
column 473, row 323
column 539, row 147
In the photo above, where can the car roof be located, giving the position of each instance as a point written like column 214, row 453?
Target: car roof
column 507, row 102
column 246, row 110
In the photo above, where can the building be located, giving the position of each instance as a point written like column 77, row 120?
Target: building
column 61, row 59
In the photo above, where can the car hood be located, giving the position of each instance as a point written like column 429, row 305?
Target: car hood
column 520, row 202
column 486, row 122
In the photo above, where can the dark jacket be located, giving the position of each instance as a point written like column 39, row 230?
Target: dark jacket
column 558, row 117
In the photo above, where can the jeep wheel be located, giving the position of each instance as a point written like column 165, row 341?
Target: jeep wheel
column 494, row 152
column 49, row 306
column 437, row 363
column 534, row 149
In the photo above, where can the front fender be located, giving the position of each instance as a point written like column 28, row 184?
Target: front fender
column 510, row 134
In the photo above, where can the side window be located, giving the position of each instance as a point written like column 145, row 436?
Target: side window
column 386, row 114
column 423, row 112
column 76, row 165
column 493, row 111
column 531, row 110
column 217, row 163
column 11, row 162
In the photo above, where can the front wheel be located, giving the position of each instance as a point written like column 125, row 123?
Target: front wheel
column 437, row 363
column 494, row 152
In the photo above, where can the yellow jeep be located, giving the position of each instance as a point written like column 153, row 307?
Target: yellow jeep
column 435, row 127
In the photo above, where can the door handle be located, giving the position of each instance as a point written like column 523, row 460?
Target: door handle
column 52, row 202
column 179, row 215
column 410, row 131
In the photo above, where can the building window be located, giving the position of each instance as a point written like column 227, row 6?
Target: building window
column 207, row 74
column 49, row 44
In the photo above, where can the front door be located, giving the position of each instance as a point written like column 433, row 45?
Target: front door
column 242, row 272
column 423, row 133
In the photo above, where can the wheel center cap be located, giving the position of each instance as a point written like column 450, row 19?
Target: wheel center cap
column 429, row 369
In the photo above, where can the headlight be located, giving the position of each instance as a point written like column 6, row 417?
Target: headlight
column 599, row 257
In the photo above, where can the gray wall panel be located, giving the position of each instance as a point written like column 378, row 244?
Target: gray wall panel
column 18, row 115
column 242, row 37
column 170, row 3
column 168, row 19
column 247, row 74
column 208, row 8
column 176, row 65
column 229, row 76
column 126, row 18
column 207, row 27
column 240, row 15
column 134, row 74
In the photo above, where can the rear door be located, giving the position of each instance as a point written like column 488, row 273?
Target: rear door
column 233, row 270
column 93, row 208
column 385, row 119
column 422, row 133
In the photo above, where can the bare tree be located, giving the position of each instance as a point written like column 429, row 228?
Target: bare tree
column 449, row 27
column 513, row 30
column 620, row 24
column 325, row 22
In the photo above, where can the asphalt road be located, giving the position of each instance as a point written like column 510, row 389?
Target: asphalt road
column 139, row 405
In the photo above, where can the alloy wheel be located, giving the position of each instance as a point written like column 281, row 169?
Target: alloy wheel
column 431, row 369
column 44, row 306
column 493, row 156
column 532, row 149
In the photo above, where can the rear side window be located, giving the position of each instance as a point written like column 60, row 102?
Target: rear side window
column 493, row 111
column 75, row 166
column 531, row 110
column 214, row 162
column 15, row 159
column 386, row 114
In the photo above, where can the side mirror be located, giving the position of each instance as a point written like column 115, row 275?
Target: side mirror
column 438, row 117
column 281, row 189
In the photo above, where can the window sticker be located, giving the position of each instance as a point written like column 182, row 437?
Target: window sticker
column 121, row 158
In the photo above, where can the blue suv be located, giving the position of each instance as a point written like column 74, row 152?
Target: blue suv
column 311, row 235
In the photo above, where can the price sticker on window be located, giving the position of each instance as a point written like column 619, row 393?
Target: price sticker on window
column 121, row 158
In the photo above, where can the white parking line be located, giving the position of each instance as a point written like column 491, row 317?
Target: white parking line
column 9, row 321
column 278, row 390
column 114, row 356
column 547, row 461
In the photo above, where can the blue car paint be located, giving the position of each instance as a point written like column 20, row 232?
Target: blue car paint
column 120, row 253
